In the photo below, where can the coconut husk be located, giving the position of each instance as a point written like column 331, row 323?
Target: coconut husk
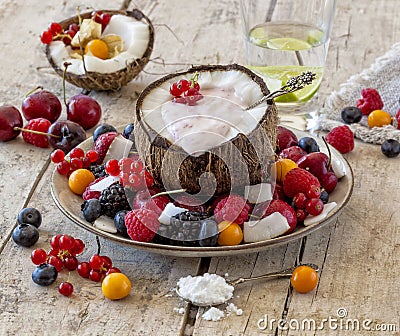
column 234, row 164
column 109, row 81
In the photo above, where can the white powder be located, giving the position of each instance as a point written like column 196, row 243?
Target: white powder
column 213, row 314
column 232, row 309
column 208, row 289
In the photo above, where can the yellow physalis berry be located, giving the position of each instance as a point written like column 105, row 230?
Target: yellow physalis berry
column 79, row 180
column 304, row 279
column 97, row 48
column 379, row 118
column 116, row 286
column 229, row 234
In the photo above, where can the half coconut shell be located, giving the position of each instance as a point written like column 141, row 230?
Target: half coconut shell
column 107, row 81
column 235, row 163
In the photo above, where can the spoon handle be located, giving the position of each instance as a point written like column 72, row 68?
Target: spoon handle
column 293, row 84
column 280, row 274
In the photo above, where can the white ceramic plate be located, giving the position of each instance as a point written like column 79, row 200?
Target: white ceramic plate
column 70, row 205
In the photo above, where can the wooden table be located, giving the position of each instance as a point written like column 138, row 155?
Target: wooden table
column 358, row 253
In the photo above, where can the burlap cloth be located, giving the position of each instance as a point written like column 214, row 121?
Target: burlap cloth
column 384, row 76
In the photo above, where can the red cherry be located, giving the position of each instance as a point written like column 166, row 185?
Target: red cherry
column 84, row 269
column 54, row 28
column 329, row 181
column 314, row 206
column 65, row 288
column 46, row 37
column 41, row 104
column 38, row 256
column 77, row 153
column 63, row 167
column 83, row 110
column 10, row 117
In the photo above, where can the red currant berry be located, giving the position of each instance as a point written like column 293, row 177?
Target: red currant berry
column 54, row 252
column 135, row 181
column 125, row 164
column 196, row 86
column 56, row 262
column 314, row 206
column 95, row 275
column 54, row 241
column 175, row 89
column 112, row 167
column 86, row 163
column 314, row 191
column 105, row 20
column 149, row 180
column 63, row 167
column 124, row 179
column 78, row 247
column 71, row 263
column 299, row 201
column 57, row 156
column 113, row 270
column 136, row 167
column 38, row 256
column 65, row 288
column 46, row 37
column 74, row 27
column 77, row 153
column 192, row 96
column 184, row 84
column 96, row 16
column 107, row 263
column 76, row 164
column 179, row 100
column 66, row 242
column 84, row 269
column 96, row 262
column 301, row 215
column 92, row 155
column 55, row 28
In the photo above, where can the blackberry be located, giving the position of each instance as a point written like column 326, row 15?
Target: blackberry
column 113, row 199
column 98, row 170
column 183, row 230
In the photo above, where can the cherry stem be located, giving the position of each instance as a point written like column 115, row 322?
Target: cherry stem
column 36, row 132
column 66, row 65
column 329, row 153
column 33, row 90
column 178, row 191
column 98, row 245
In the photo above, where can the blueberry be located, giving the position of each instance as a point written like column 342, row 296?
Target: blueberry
column 208, row 235
column 44, row 274
column 324, row 196
column 128, row 130
column 30, row 216
column 119, row 222
column 351, row 114
column 91, row 210
column 391, row 148
column 25, row 235
column 101, row 129
column 308, row 144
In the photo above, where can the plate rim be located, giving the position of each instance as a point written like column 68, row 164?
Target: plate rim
column 217, row 251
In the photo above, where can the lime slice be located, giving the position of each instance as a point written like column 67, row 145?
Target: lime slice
column 315, row 37
column 288, row 43
column 276, row 76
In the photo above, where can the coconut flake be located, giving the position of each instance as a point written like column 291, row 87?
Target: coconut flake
column 269, row 227
column 232, row 309
column 169, row 211
column 315, row 219
column 258, row 193
column 104, row 183
column 213, row 314
column 119, row 148
column 106, row 224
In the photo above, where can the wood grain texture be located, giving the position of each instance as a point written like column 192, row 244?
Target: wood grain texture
column 358, row 254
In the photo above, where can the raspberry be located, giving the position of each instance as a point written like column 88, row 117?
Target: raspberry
column 142, row 224
column 143, row 200
column 298, row 180
column 102, row 144
column 269, row 207
column 232, row 208
column 38, row 124
column 370, row 101
column 293, row 153
column 342, row 138
column 285, row 138
column 89, row 194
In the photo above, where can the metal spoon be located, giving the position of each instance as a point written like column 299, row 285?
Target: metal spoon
column 293, row 84
column 274, row 275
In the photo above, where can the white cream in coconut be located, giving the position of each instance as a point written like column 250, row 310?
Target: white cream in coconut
column 214, row 119
column 135, row 35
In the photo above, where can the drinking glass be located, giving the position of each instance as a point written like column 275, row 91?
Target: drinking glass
column 284, row 38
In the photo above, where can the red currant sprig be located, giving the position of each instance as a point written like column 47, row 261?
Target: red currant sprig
column 77, row 159
column 189, row 89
